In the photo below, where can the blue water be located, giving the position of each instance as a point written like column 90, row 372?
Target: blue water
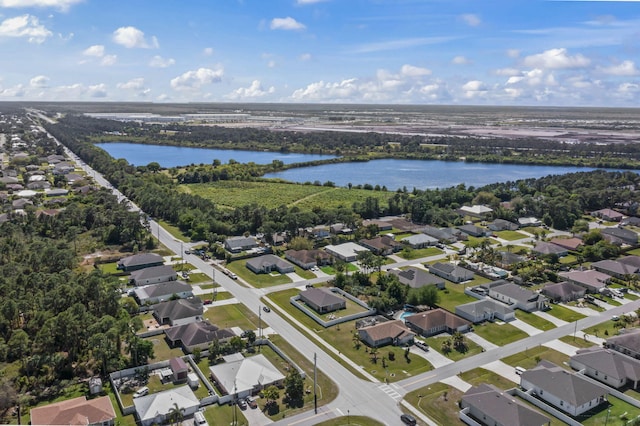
column 406, row 314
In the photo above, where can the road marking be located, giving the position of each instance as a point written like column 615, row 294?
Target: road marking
column 340, row 411
column 389, row 391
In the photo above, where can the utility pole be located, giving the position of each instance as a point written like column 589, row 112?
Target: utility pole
column 315, row 380
column 259, row 325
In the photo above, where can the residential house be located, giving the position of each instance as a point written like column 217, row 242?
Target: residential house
column 485, row 310
column 567, row 392
column 382, row 245
column 63, row 168
column 529, row 221
column 563, row 292
column 620, row 236
column 72, row 178
column 502, row 225
column 615, row 268
column 34, row 186
column 418, row 241
column 307, row 259
column 239, row 244
column 417, row 277
column 439, row 234
column 507, row 259
column 474, row 231
column 153, row 275
column 627, row 342
column 179, row 311
column 155, row 293
column 347, row 252
column 382, row 225
column 477, row 211
column 322, row 301
column 490, row 406
column 139, row 261
column 451, row 272
column 545, row 248
column 385, row 333
column 571, row 244
column 267, row 263
column 56, row 192
column 608, row 215
column 592, row 280
column 76, row 411
column 516, row 296
column 245, row 376
column 198, row 334
column 436, row 321
column 156, row 408
column 340, row 229
column 319, row 232
column 630, row 221
column 607, row 366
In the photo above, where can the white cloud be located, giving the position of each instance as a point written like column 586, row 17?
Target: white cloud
column 58, row 4
column 134, row 84
column 255, row 90
column 473, row 89
column 271, row 64
column 287, row 23
column 625, row 68
column 25, row 26
column 507, row 72
column 97, row 91
column 160, row 62
column 412, row 71
column 305, row 57
column 460, row 60
column 471, row 19
column 343, row 90
column 207, row 51
column 96, row 50
column 513, row 53
column 39, row 81
column 13, row 92
column 556, row 59
column 109, row 60
column 197, row 78
column 131, row 37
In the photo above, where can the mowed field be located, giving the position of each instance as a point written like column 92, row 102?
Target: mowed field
column 234, row 194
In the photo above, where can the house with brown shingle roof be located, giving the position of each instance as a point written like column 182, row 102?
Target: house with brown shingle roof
column 567, row 243
column 76, row 411
column 382, row 245
column 197, row 335
column 417, row 277
column 307, row 259
column 385, row 333
column 545, row 248
column 592, row 280
column 564, row 291
column 436, row 321
column 322, row 301
column 608, row 214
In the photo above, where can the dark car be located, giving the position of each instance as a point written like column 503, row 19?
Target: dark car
column 408, row 419
column 242, row 404
column 251, row 402
column 266, row 309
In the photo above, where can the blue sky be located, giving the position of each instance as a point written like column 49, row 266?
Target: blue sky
column 480, row 52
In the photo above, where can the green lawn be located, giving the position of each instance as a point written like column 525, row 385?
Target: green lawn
column 534, row 320
column 410, row 254
column 528, row 358
column 479, row 375
column 304, row 273
column 223, row 415
column 161, row 349
column 438, row 401
column 604, row 329
column 236, row 315
column 568, row 259
column 110, row 268
column 435, row 343
column 173, row 230
column 199, row 278
column 564, row 313
column 452, row 296
column 499, row 333
column 578, row 341
column 615, row 413
column 351, row 420
column 510, row 235
column 257, row 280
column 222, row 295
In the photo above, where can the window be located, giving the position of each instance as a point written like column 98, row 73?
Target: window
column 541, row 392
column 561, row 403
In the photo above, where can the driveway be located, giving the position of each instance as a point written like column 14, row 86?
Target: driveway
column 255, row 417
column 504, row 370
column 457, row 383
column 584, row 311
column 487, row 345
column 562, row 347
column 434, row 357
column 529, row 329
column 555, row 321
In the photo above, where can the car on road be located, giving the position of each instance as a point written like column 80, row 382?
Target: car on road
column 408, row 419
column 141, row 392
column 187, row 252
column 266, row 309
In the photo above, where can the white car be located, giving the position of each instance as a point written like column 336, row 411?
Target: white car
column 141, row 392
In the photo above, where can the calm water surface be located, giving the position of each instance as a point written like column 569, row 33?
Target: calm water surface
column 394, row 174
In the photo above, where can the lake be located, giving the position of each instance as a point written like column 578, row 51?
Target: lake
column 392, row 173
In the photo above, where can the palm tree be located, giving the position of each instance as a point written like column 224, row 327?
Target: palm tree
column 175, row 414
column 446, row 346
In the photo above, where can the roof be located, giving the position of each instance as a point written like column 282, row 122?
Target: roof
column 544, row 247
column 307, row 256
column 589, row 278
column 320, row 297
column 623, row 234
column 178, row 364
column 388, row 329
column 268, row 260
column 476, row 209
column 239, row 242
column 615, row 267
column 346, row 249
column 152, row 272
column 479, row 307
column 513, row 291
column 197, row 333
column 560, row 383
column 140, row 259
column 416, row 277
column 242, row 375
column 451, row 269
column 524, row 221
column 436, row 318
column 630, row 260
column 160, row 404
column 178, row 309
column 608, row 213
column 472, row 229
column 502, row 407
column 562, row 290
column 629, row 340
column 76, row 411
column 610, row 363
column 419, row 239
column 162, row 289
column 381, row 242
column 568, row 243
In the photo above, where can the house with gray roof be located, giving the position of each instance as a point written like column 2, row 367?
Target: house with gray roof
column 139, row 261
column 178, row 312
column 564, row 291
column 439, row 234
column 607, row 366
column 507, row 259
column 245, row 376
column 307, row 259
column 529, row 221
column 417, row 277
column 156, row 293
column 615, row 268
column 418, row 241
column 516, row 296
column 546, row 248
column 488, row 405
column 627, row 342
column 156, row 408
column 502, row 225
column 631, row 260
column 451, row 272
column 620, row 236
column 238, row 244
column 267, row 263
column 197, row 335
column 347, row 252
column 485, row 310
column 153, row 275
column 385, row 333
column 565, row 391
column 477, row 210
column 322, row 301
column 591, row 279
column 474, row 231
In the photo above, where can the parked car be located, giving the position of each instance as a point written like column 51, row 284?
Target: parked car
column 199, row 420
column 421, row 345
column 242, row 404
column 141, row 392
column 266, row 309
column 251, row 402
column 208, row 301
column 408, row 419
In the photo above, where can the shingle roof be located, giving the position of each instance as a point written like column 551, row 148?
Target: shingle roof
column 610, row 363
column 168, row 287
column 615, row 266
column 419, row 239
column 436, row 318
column 76, row 411
column 307, row 256
column 320, row 297
column 388, row 329
column 152, row 272
column 590, row 278
column 544, row 247
column 178, row 309
column 502, row 407
column 197, row 333
column 416, row 277
column 161, row 403
column 245, row 373
column 513, row 291
column 268, row 260
column 629, row 340
column 482, row 306
column 562, row 290
column 140, row 259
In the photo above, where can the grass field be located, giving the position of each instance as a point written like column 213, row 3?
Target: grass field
column 479, row 375
column 603, row 330
column 435, row 343
column 161, row 349
column 578, row 341
column 499, row 333
column 617, row 412
column 410, row 254
column 223, row 415
column 173, row 230
column 438, row 401
column 236, row 315
column 528, row 358
column 452, row 296
column 534, row 320
column 275, row 194
column 351, row 420
column 510, row 235
column 564, row 313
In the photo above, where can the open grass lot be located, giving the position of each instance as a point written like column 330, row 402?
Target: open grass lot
column 617, row 412
column 479, row 375
column 564, row 313
column 634, row 252
column 173, row 230
column 236, row 315
column 110, row 268
column 438, row 401
column 161, row 349
column 257, row 280
column 499, row 333
column 223, row 415
column 410, row 254
column 351, row 420
column 568, row 259
column 198, row 278
column 578, row 341
column 435, row 343
column 222, row 295
column 510, row 235
column 534, row 320
column 452, row 296
column 528, row 358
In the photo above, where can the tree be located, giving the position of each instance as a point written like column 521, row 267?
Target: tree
column 271, row 394
column 459, row 342
column 18, row 345
column 215, row 350
column 294, row 388
column 175, row 414
column 153, row 166
column 251, row 336
column 446, row 346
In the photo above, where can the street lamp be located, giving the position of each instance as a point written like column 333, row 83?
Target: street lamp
column 348, row 418
column 607, row 419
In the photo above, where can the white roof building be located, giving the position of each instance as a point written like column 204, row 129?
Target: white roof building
column 243, row 376
column 155, row 408
column 347, row 252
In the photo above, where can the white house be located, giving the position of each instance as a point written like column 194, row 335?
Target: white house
column 156, row 408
